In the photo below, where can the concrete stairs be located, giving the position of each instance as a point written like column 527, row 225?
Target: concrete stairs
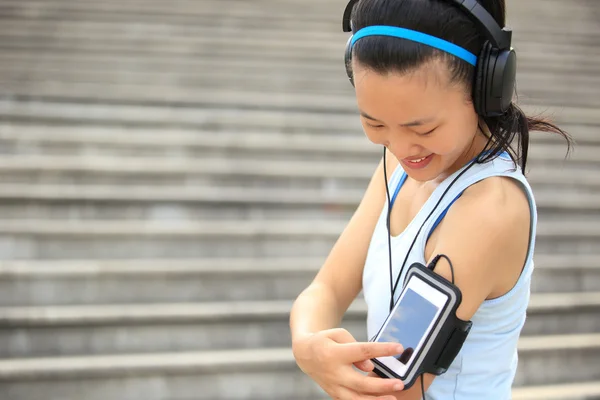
column 174, row 173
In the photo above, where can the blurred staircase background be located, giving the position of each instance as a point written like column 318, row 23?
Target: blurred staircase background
column 173, row 173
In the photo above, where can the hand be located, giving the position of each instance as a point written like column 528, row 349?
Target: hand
column 328, row 356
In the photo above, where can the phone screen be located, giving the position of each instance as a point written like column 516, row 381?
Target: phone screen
column 410, row 322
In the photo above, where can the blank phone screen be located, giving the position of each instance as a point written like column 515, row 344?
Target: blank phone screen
column 410, row 321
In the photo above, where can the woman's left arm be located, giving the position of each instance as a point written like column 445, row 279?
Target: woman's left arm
column 486, row 235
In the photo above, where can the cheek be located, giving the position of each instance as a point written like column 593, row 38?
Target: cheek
column 376, row 136
column 455, row 137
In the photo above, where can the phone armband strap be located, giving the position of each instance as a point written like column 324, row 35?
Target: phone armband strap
column 447, row 345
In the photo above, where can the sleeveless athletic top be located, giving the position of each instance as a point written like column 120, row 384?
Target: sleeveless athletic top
column 486, row 365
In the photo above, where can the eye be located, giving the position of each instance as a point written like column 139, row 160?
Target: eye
column 426, row 133
column 374, row 126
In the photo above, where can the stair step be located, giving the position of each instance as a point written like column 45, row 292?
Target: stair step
column 578, row 11
column 532, row 59
column 328, row 176
column 72, row 140
column 319, row 48
column 571, row 391
column 535, row 89
column 201, row 37
column 77, row 202
column 142, row 87
column 576, row 14
column 175, row 280
column 18, row 30
column 289, row 121
column 321, row 45
column 321, row 20
column 70, row 39
column 43, row 282
column 117, row 329
column 236, row 374
column 247, row 374
column 208, row 7
column 47, row 239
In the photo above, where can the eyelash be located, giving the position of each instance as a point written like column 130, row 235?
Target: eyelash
column 427, row 133
column 420, row 134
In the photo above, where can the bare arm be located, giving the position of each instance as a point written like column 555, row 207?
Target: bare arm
column 322, row 304
column 328, row 354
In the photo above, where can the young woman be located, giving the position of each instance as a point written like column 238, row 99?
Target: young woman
column 437, row 95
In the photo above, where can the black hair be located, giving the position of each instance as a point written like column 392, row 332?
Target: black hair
column 439, row 18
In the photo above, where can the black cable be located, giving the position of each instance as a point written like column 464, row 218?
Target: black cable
column 435, row 260
column 389, row 201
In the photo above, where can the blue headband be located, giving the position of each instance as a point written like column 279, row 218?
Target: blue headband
column 382, row 30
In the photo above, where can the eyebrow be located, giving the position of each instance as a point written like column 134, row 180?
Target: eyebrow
column 417, row 122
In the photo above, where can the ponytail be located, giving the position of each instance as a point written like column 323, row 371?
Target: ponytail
column 510, row 133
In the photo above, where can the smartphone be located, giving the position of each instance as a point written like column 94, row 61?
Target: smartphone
column 411, row 322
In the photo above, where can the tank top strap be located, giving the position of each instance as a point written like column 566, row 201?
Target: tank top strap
column 401, row 181
column 395, row 182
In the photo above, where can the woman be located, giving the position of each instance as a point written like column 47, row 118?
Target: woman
column 447, row 141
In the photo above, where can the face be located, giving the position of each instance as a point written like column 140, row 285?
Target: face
column 430, row 126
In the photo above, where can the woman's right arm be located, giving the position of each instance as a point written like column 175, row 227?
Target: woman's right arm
column 323, row 303
column 327, row 353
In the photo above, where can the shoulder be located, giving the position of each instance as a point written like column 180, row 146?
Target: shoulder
column 498, row 202
column 486, row 235
column 490, row 211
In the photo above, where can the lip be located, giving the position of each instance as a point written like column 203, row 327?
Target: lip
column 420, row 165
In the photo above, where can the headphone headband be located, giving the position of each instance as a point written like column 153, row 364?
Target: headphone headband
column 346, row 19
column 419, row 37
column 499, row 37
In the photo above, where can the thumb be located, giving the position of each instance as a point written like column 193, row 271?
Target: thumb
column 340, row 335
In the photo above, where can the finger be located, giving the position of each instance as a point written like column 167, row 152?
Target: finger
column 371, row 385
column 360, row 351
column 366, row 365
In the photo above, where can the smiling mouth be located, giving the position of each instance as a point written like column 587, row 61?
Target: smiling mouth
column 416, row 161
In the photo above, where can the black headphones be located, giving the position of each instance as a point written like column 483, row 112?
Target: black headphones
column 496, row 66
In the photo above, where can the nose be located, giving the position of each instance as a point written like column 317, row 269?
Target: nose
column 404, row 148
column 399, row 144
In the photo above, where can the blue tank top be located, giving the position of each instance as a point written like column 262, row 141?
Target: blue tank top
column 486, row 365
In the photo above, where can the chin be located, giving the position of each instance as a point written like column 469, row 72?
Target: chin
column 422, row 176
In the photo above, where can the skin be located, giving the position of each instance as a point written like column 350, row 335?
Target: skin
column 412, row 115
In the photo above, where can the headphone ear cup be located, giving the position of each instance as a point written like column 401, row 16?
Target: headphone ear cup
column 501, row 82
column 495, row 81
column 348, row 60
column 479, row 86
